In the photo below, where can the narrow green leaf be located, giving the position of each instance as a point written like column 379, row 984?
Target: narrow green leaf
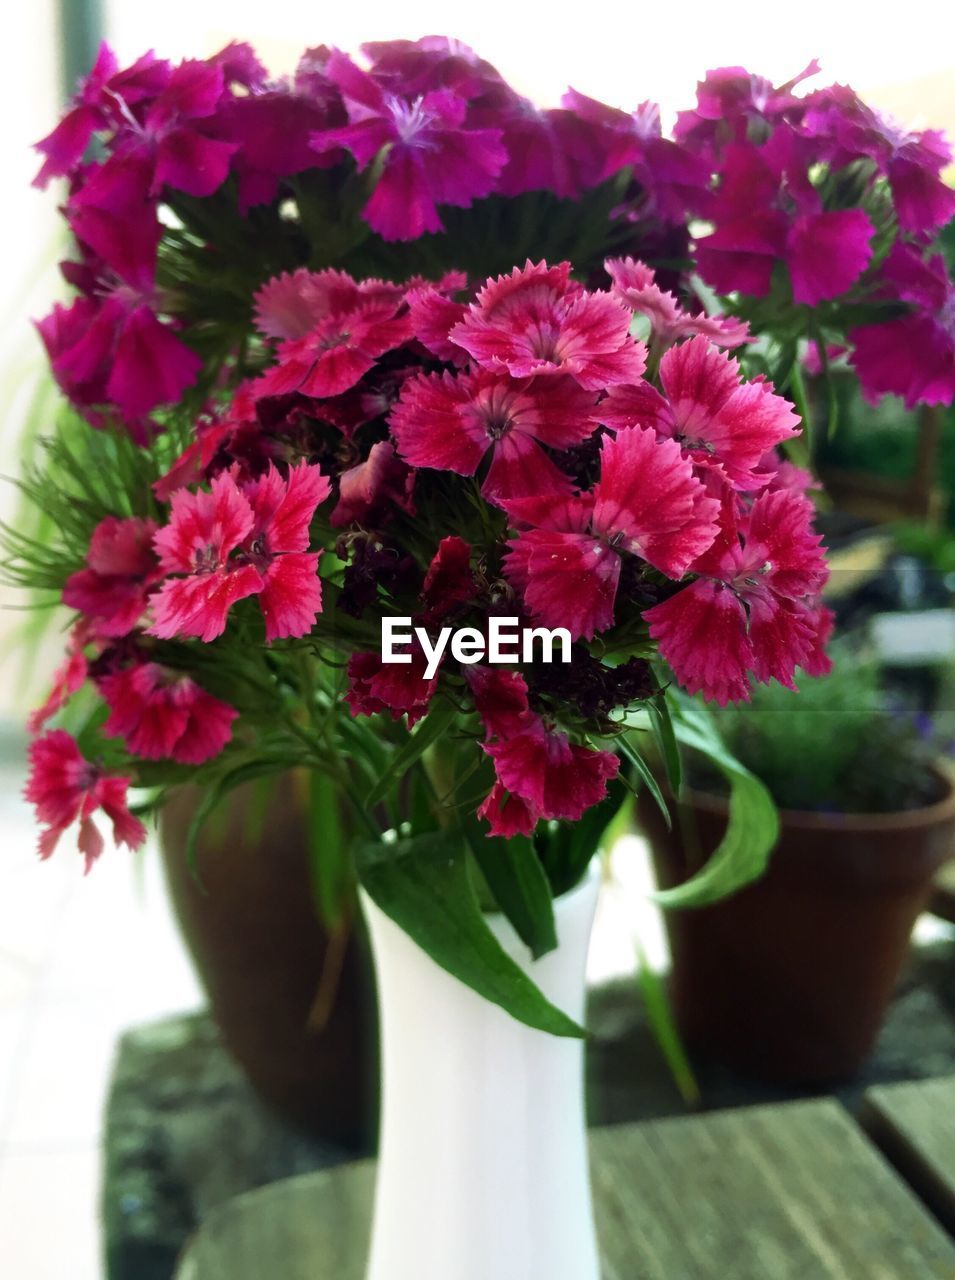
column 662, row 724
column 213, row 795
column 519, row 885
column 663, row 1027
column 425, row 886
column 328, row 849
column 753, row 827
column 434, row 726
column 646, row 776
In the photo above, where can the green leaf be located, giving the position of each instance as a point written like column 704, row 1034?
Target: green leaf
column 662, row 724
column 646, row 776
column 664, row 1029
column 425, row 886
column 434, row 726
column 753, row 827
column 328, row 849
column 519, row 886
column 216, row 791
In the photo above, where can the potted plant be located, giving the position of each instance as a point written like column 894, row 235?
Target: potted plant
column 426, row 554
column 790, row 978
column 210, row 179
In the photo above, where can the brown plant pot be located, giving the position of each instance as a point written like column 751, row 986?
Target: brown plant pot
column 790, row 978
column 259, row 949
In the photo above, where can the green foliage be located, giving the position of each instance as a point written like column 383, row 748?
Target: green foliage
column 425, row 885
column 753, row 827
column 833, row 746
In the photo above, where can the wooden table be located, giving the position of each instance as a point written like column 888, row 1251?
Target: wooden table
column 792, row 1192
column 914, row 1124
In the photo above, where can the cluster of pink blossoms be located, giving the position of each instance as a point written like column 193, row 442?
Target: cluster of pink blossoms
column 438, row 126
column 814, row 182
column 517, row 451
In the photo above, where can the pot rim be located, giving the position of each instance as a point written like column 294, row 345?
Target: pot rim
column 806, row 820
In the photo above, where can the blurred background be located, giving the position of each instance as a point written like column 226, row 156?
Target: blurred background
column 81, row 961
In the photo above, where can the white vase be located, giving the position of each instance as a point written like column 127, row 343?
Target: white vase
column 483, row 1170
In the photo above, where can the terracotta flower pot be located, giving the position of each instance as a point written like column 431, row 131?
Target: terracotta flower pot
column 790, row 978
column 260, row 953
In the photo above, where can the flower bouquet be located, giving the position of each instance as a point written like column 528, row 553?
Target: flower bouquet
column 404, row 451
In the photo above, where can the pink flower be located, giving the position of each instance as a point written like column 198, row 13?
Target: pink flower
column 397, row 689
column 338, row 351
column 69, row 678
column 292, row 304
column 163, row 715
column 634, row 284
column 433, row 316
column 452, row 423
column 291, row 592
column 753, row 608
column 720, row 421
column 536, row 321
column 64, row 788
column 552, row 777
column 507, row 815
column 204, row 531
column 912, row 356
column 122, row 568
column 430, row 156
column 647, row 503
column 232, row 543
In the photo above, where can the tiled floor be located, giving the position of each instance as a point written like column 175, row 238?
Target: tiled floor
column 80, row 959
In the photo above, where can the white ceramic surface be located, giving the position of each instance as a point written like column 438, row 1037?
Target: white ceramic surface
column 483, row 1171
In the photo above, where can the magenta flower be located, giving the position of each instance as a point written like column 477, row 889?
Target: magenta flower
column 64, row 788
column 647, row 503
column 164, row 715
column 911, row 161
column 754, row 607
column 232, row 543
column 101, row 102
column 116, row 351
column 453, row 423
column 766, row 210
column 430, row 156
column 912, row 356
column 181, row 153
column 634, row 283
column 122, row 568
column 113, row 213
column 720, row 421
column 536, row 321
